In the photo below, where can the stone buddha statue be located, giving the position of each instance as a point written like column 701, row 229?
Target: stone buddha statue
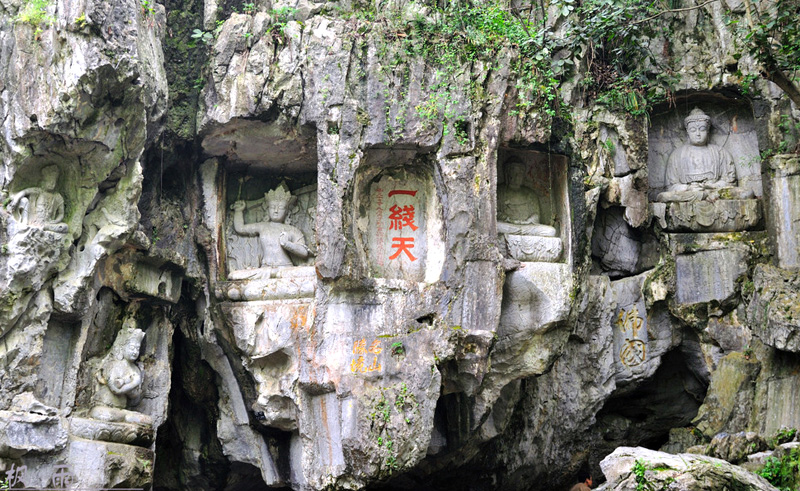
column 278, row 241
column 40, row 207
column 518, row 210
column 699, row 170
column 118, row 382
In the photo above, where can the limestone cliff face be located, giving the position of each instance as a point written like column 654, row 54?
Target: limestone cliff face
column 327, row 236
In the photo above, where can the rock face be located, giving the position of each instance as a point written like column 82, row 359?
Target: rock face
column 681, row 472
column 251, row 245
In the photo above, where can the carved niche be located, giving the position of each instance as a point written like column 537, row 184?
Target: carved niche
column 533, row 206
column 399, row 224
column 269, row 236
column 117, row 381
column 704, row 168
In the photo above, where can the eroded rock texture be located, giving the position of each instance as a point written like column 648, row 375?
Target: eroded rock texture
column 262, row 245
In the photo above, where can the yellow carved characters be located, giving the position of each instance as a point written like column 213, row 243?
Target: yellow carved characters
column 360, row 353
column 633, row 351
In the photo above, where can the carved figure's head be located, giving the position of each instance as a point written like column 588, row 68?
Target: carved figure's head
column 128, row 343
column 697, row 125
column 49, row 177
column 278, row 202
column 515, row 173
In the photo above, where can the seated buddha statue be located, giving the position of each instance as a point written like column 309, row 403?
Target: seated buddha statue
column 518, row 209
column 699, row 170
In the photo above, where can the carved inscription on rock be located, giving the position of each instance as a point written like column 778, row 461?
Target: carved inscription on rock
column 401, row 233
column 366, row 357
column 634, row 349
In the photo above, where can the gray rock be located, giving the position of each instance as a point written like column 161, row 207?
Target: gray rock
column 680, row 472
column 774, row 311
column 708, row 275
column 614, row 243
column 782, row 188
column 730, row 396
column 736, row 447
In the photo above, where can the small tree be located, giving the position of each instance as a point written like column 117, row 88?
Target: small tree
column 773, row 35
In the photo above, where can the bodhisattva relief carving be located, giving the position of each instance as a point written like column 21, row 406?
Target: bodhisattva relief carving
column 117, row 386
column 118, row 381
column 279, row 242
column 699, row 170
column 40, row 207
column 519, row 219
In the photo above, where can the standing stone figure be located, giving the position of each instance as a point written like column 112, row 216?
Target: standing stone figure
column 277, row 239
column 40, row 207
column 518, row 206
column 699, row 170
column 118, row 382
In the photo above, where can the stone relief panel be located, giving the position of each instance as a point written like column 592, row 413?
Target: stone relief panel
column 37, row 238
column 117, row 381
column 275, row 224
column 705, row 169
column 532, row 206
column 400, row 226
column 269, row 241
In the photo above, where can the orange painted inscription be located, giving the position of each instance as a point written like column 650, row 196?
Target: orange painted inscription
column 361, row 353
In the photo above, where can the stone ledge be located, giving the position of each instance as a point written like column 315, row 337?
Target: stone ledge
column 269, row 284
column 115, row 432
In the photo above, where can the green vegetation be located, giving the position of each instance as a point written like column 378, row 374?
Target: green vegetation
column 783, row 473
column 34, row 12
column 80, row 21
column 640, row 469
column 784, row 435
column 623, row 74
column 772, row 35
column 395, row 401
column 204, row 36
column 280, row 17
column 460, row 34
column 148, row 7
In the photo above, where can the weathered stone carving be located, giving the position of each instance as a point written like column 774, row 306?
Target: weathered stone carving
column 702, row 192
column 519, row 221
column 699, row 170
column 614, row 243
column 118, row 382
column 117, row 385
column 40, row 207
column 278, row 241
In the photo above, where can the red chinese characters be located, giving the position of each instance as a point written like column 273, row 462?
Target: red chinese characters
column 401, row 217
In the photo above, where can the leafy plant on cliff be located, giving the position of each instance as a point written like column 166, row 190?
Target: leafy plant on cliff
column 614, row 39
column 461, row 34
column 643, row 483
column 783, row 473
column 34, row 12
column 772, row 35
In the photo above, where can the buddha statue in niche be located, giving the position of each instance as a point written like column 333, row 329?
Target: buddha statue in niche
column 278, row 241
column 699, row 170
column 518, row 210
column 41, row 207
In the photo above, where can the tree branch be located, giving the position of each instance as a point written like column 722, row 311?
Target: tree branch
column 776, row 76
column 672, row 11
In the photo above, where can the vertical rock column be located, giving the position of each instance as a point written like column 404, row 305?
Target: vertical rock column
column 782, row 179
